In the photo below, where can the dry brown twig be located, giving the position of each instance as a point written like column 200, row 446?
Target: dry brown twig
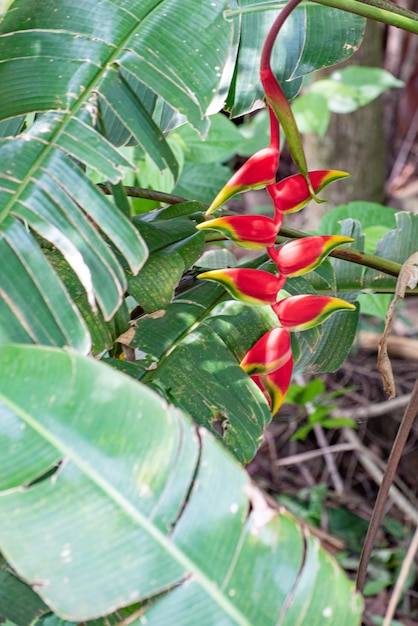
column 400, row 582
column 408, row 277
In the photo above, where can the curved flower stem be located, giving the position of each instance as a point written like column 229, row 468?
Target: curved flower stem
column 276, row 98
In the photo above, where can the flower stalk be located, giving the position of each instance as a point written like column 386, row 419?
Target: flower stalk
column 269, row 362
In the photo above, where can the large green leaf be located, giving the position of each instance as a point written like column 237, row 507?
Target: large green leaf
column 89, row 58
column 135, row 512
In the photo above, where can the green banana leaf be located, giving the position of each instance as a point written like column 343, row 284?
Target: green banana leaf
column 125, row 501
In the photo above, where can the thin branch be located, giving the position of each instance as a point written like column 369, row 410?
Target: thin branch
column 371, row 464
column 373, row 410
column 382, row 496
column 400, row 582
column 146, row 194
column 323, row 444
column 302, row 457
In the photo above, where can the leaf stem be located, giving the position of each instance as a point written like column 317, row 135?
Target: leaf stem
column 378, row 10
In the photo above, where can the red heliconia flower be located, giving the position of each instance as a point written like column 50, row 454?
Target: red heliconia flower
column 275, row 384
column 306, row 310
column 270, row 352
column 251, row 286
column 300, row 256
column 248, row 231
column 259, row 171
column 292, row 193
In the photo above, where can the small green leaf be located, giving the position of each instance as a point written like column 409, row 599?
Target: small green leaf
column 369, row 81
column 352, row 87
column 311, row 113
column 374, row 304
column 221, row 142
column 369, row 214
column 338, row 422
column 373, row 587
column 302, row 433
column 311, row 390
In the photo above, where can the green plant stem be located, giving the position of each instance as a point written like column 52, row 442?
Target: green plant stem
column 347, row 254
column 145, row 194
column 351, row 254
column 392, row 465
column 385, row 12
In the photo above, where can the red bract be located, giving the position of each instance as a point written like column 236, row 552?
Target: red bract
column 292, row 193
column 255, row 287
column 259, row 171
column 252, row 231
column 300, row 256
column 275, row 384
column 270, row 352
column 306, row 311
